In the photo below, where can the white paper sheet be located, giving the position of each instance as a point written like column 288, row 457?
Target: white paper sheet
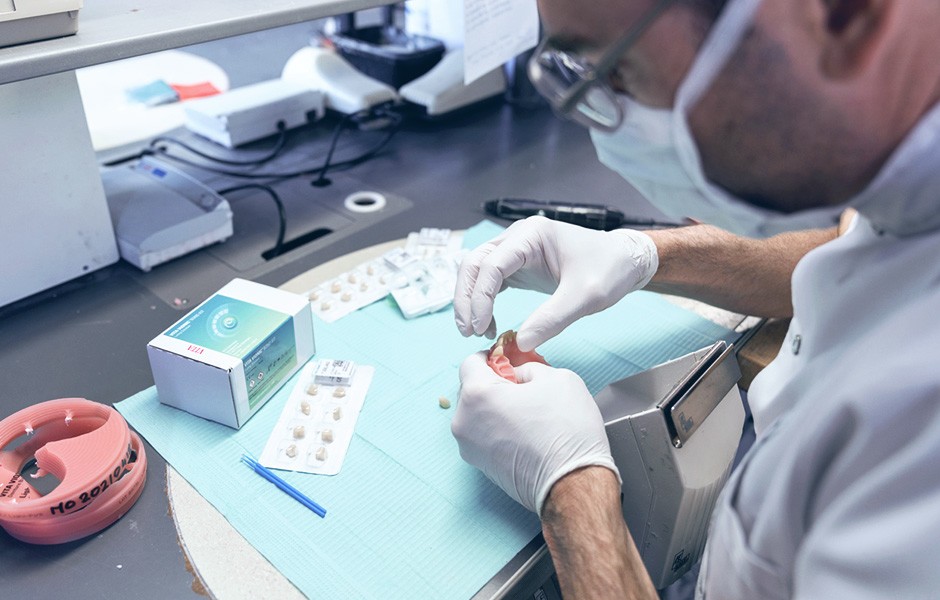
column 496, row 31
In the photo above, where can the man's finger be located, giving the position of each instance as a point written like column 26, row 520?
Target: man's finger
column 474, row 368
column 500, row 263
column 548, row 320
column 466, row 282
column 529, row 371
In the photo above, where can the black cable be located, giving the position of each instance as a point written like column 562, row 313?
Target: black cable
column 257, row 162
column 321, row 180
column 125, row 159
column 393, row 123
column 394, row 120
column 282, row 217
column 393, row 127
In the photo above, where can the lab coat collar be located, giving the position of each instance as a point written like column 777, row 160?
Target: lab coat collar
column 904, row 198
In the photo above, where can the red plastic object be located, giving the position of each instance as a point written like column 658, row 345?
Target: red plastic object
column 505, row 354
column 101, row 466
column 196, row 90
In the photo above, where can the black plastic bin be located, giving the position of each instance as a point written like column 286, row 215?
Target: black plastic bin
column 389, row 54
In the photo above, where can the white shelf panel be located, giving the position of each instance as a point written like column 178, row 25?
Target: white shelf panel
column 114, row 29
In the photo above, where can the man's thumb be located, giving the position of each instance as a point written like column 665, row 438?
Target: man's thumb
column 546, row 322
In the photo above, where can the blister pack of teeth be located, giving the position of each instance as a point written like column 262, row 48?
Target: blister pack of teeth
column 424, row 271
column 313, row 433
column 431, row 241
column 430, row 285
column 367, row 283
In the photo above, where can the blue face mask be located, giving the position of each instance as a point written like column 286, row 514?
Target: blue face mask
column 654, row 149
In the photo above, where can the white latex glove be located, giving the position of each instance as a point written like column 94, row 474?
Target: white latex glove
column 585, row 271
column 526, row 436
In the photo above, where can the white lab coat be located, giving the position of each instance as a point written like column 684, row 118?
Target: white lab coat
column 840, row 495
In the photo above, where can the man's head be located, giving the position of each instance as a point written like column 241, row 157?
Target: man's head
column 808, row 107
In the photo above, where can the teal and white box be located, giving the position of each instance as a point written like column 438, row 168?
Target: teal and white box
column 230, row 354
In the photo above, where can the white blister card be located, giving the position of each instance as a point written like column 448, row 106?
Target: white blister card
column 367, row 283
column 317, row 424
column 421, row 275
column 430, row 286
column 432, row 241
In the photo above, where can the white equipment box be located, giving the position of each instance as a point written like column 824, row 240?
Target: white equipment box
column 442, row 89
column 347, row 89
column 160, row 213
column 24, row 21
column 252, row 112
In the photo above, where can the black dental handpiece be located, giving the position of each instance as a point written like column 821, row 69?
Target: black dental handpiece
column 593, row 216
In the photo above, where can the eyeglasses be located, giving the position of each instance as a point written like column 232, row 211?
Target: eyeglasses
column 580, row 91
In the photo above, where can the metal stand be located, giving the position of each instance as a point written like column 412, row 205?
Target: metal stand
column 55, row 224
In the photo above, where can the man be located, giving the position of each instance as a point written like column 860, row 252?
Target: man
column 761, row 116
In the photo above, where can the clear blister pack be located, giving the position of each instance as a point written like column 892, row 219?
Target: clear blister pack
column 421, row 275
column 429, row 285
column 354, row 289
column 432, row 241
column 313, row 433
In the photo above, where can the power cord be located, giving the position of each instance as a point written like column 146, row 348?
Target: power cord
column 366, row 121
column 282, row 216
column 155, row 146
column 321, row 180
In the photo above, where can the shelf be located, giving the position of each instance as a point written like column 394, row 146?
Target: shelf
column 115, row 29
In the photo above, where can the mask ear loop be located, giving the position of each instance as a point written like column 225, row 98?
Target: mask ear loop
column 722, row 40
column 724, row 37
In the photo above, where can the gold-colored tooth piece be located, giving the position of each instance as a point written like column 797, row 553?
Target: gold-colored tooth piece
column 443, row 402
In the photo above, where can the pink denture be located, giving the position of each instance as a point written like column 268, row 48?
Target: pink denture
column 505, row 354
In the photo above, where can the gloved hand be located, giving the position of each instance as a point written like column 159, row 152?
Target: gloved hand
column 526, row 436
column 586, row 271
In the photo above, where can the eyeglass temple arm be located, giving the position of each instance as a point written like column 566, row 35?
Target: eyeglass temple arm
column 611, row 57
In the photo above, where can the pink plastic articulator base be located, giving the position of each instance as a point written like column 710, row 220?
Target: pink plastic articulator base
column 100, row 464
